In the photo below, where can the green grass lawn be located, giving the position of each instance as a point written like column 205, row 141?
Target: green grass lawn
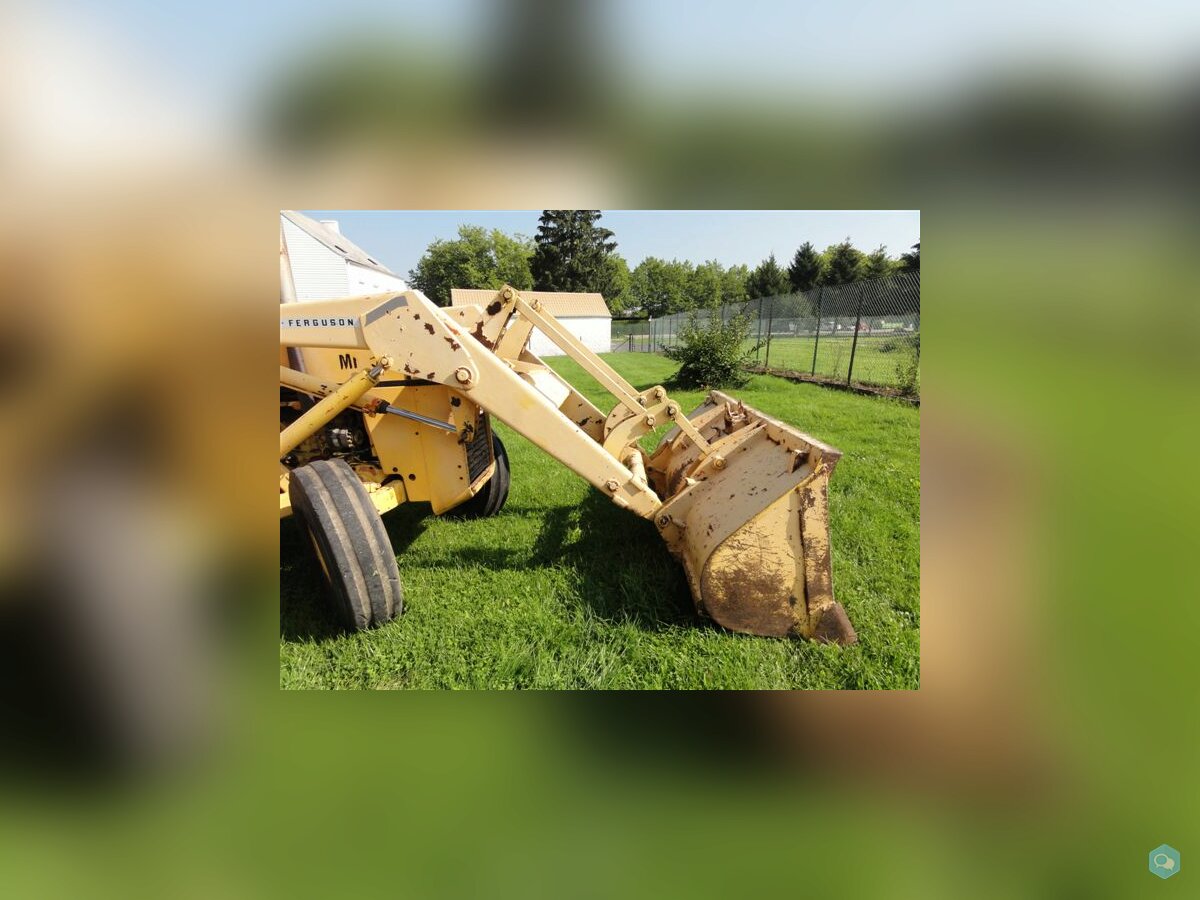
column 565, row 590
column 877, row 360
column 881, row 360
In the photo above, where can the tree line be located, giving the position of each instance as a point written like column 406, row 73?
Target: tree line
column 572, row 251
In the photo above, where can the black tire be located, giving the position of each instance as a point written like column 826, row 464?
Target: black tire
column 351, row 543
column 493, row 495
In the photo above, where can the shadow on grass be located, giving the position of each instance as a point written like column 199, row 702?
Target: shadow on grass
column 306, row 612
column 621, row 568
column 642, row 384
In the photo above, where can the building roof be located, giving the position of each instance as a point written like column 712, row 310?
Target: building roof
column 560, row 304
column 338, row 243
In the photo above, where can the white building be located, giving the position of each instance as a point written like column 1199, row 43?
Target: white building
column 326, row 265
column 584, row 315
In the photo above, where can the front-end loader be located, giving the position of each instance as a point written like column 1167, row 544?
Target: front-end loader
column 387, row 399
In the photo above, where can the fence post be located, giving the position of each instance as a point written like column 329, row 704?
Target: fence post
column 770, row 321
column 854, row 344
column 758, row 344
column 817, row 336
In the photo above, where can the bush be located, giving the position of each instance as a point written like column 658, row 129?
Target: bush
column 908, row 369
column 712, row 353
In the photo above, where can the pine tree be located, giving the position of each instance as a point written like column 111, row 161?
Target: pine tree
column 843, row 264
column 911, row 261
column 805, row 270
column 572, row 252
column 768, row 280
column 878, row 263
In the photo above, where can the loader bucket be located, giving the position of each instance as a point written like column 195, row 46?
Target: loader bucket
column 748, row 517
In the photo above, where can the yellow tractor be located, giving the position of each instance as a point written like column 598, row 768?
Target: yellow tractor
column 386, row 399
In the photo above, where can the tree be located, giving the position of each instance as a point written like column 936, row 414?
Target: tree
column 843, row 264
column 618, row 294
column 878, row 263
column 512, row 255
column 805, row 271
column 768, row 280
column 706, row 286
column 476, row 259
column 572, row 252
column 659, row 287
column 733, row 284
column 911, row 261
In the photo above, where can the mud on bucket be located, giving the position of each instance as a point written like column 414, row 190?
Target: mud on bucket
column 748, row 517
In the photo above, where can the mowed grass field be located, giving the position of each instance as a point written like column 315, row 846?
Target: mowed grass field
column 565, row 590
column 878, row 360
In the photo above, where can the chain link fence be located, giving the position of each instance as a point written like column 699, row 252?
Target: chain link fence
column 866, row 333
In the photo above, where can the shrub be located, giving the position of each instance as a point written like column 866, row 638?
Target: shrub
column 712, row 353
column 908, row 369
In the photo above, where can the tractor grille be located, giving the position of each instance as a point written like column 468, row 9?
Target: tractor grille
column 479, row 451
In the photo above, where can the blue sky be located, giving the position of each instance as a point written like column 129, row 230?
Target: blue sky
column 398, row 238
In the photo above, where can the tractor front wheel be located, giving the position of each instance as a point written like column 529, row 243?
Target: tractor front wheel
column 350, row 541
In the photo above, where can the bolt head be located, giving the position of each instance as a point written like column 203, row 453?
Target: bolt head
column 664, row 521
column 672, row 411
column 463, row 375
column 385, row 361
column 650, row 420
column 507, row 294
column 612, row 485
column 719, row 462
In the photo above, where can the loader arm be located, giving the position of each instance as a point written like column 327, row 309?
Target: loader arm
column 406, row 333
column 740, row 498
